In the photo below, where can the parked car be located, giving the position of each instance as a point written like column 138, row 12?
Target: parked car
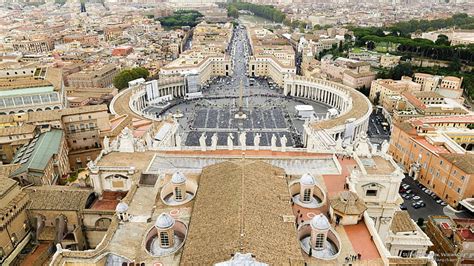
column 439, row 201
column 416, row 197
column 403, row 207
column 421, row 203
column 427, row 191
column 408, row 191
column 443, row 203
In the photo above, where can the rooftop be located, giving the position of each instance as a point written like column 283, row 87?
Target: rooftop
column 245, row 207
column 402, row 222
column 37, row 154
column 62, row 198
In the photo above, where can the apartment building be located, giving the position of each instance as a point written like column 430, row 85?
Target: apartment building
column 272, row 56
column 431, row 153
column 34, row 45
column 100, row 76
column 352, row 73
column 208, row 56
column 448, row 86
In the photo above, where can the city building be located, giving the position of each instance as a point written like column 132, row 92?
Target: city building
column 349, row 72
column 405, row 239
column 430, row 151
column 272, row 56
column 99, row 76
column 43, row 161
column 14, row 225
column 452, row 239
column 27, row 88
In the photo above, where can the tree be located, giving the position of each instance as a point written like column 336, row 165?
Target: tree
column 370, row 45
column 401, row 70
column 379, row 32
column 442, row 40
column 232, row 11
column 121, row 80
column 377, row 98
column 455, row 64
column 347, row 37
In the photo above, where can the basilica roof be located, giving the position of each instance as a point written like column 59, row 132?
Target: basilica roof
column 240, row 207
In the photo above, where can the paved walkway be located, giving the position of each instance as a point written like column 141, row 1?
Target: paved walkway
column 121, row 106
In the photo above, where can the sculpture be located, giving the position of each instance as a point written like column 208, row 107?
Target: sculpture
column 243, row 139
column 230, row 141
column 283, row 141
column 106, row 144
column 339, row 144
column 273, row 142
column 202, row 141
column 178, row 141
column 256, row 141
column 214, row 139
column 126, row 141
column 385, row 146
column 148, row 140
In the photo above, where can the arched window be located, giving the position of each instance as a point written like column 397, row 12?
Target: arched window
column 102, row 223
column 307, row 195
column 164, row 240
column 319, row 241
column 177, row 193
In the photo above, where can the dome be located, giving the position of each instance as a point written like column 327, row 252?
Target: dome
column 121, row 207
column 307, row 179
column 164, row 221
column 178, row 178
column 348, row 203
column 320, row 222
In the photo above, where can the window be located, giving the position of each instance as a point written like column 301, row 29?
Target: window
column 450, row 183
column 371, row 192
column 307, row 195
column 319, row 241
column 164, row 240
column 463, row 177
column 458, row 190
column 177, row 192
column 440, row 162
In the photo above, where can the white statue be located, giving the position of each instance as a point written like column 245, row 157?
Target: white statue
column 214, row 139
column 385, row 146
column 114, row 145
column 140, row 144
column 256, row 141
column 273, row 142
column 327, row 115
column 148, row 140
column 362, row 146
column 339, row 144
column 243, row 139
column 283, row 141
column 202, row 141
column 91, row 165
column 106, row 144
column 230, row 141
column 126, row 141
column 178, row 141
